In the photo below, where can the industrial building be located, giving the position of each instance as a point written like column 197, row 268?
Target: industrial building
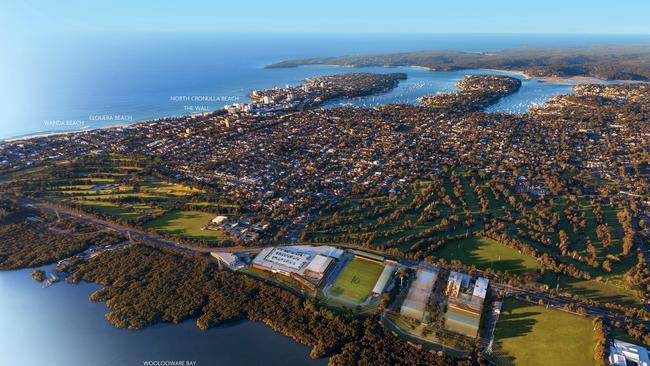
column 415, row 304
column 465, row 303
column 625, row 354
column 232, row 261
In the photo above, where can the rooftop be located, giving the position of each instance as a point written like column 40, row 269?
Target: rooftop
column 420, row 290
column 480, row 287
column 626, row 354
column 319, row 264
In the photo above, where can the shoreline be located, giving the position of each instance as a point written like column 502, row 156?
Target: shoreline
column 516, row 72
column 565, row 80
column 422, row 68
column 36, row 135
column 543, row 79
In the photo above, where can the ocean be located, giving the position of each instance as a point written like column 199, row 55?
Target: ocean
column 68, row 82
column 65, row 82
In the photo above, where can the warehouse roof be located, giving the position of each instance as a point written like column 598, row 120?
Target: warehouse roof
column 480, row 287
column 623, row 353
column 319, row 264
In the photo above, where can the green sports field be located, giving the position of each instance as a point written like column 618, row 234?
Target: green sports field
column 486, row 253
column 186, row 224
column 356, row 280
column 532, row 335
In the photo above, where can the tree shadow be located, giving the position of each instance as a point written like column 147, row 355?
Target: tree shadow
column 513, row 324
column 468, row 252
column 578, row 287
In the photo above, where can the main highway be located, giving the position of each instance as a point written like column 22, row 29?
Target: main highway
column 133, row 233
column 519, row 292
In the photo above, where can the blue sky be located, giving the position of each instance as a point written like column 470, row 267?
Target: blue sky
column 449, row 16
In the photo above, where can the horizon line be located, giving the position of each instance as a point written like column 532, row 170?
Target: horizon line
column 262, row 32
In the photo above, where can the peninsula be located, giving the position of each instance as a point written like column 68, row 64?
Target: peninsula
column 399, row 234
column 606, row 62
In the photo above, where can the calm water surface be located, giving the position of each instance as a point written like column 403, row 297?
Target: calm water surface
column 68, row 82
column 59, row 326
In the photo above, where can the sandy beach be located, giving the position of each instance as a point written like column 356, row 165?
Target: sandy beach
column 517, row 72
column 570, row 80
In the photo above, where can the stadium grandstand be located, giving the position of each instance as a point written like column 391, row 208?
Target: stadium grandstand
column 465, row 303
column 368, row 256
column 302, row 262
column 383, row 279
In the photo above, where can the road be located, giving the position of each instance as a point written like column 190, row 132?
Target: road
column 518, row 292
column 534, row 296
column 134, row 233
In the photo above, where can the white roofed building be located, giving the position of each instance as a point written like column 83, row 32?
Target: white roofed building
column 625, row 354
column 218, row 220
column 480, row 287
column 319, row 264
column 308, row 262
column 383, row 279
column 231, row 260
column 289, row 258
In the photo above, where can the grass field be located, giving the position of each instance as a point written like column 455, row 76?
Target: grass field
column 109, row 208
column 531, row 335
column 400, row 221
column 610, row 289
column 112, row 185
column 187, row 224
column 487, row 253
column 356, row 280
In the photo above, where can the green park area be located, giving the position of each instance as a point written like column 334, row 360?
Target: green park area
column 356, row 280
column 187, row 224
column 607, row 288
column 114, row 186
column 423, row 212
column 524, row 332
column 486, row 253
column 358, row 218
